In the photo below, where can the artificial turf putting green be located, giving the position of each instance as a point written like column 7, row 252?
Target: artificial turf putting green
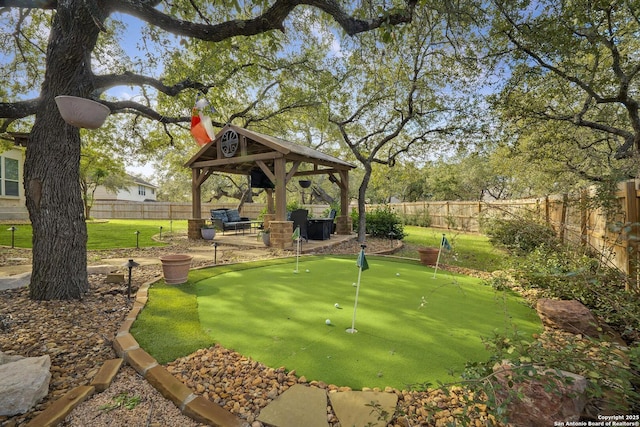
column 412, row 328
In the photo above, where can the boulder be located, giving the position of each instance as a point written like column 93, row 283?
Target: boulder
column 549, row 396
column 23, row 382
column 570, row 316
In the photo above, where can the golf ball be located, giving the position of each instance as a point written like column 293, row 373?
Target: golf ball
column 328, row 321
column 307, row 270
column 397, row 274
column 336, row 305
column 353, row 284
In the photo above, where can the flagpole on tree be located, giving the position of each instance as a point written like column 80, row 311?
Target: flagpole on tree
column 362, row 265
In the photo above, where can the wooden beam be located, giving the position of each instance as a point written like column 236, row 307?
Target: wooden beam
column 204, row 176
column 238, row 160
column 292, row 171
column 196, row 202
column 266, row 171
column 281, row 189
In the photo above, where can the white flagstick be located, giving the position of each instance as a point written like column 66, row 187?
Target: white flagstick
column 353, row 329
column 438, row 259
column 297, row 252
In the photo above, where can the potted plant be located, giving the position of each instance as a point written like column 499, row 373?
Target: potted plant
column 428, row 256
column 266, row 236
column 175, row 268
column 208, row 231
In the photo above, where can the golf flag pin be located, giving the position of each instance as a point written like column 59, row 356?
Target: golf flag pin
column 362, row 261
column 296, row 234
column 445, row 243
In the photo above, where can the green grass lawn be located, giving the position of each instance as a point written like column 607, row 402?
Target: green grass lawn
column 469, row 250
column 111, row 234
column 412, row 328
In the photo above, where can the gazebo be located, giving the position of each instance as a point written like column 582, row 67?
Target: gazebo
column 271, row 162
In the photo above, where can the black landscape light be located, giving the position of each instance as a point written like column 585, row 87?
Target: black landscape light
column 215, row 252
column 130, row 266
column 392, row 237
column 160, row 232
column 137, row 239
column 12, row 229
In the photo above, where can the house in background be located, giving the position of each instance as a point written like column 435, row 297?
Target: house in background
column 12, row 198
column 139, row 191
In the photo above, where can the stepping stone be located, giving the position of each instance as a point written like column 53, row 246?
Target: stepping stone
column 298, row 406
column 363, row 408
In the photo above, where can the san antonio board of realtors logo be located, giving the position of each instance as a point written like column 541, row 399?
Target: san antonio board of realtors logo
column 229, row 143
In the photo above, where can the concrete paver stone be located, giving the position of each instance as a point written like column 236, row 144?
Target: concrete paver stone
column 298, row 406
column 363, row 408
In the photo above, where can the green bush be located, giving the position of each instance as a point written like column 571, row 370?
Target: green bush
column 380, row 223
column 383, row 221
column 519, row 235
column 566, row 272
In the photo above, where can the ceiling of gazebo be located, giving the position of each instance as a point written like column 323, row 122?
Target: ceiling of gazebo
column 239, row 155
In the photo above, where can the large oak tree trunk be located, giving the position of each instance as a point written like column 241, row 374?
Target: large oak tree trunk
column 52, row 167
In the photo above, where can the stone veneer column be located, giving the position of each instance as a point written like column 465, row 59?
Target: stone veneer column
column 343, row 224
column 266, row 220
column 281, row 232
column 194, row 226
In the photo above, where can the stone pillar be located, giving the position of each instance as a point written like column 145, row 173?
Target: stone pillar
column 194, row 226
column 266, row 220
column 281, row 232
column 343, row 224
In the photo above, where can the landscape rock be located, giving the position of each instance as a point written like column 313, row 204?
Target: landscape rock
column 23, row 382
column 571, row 316
column 545, row 398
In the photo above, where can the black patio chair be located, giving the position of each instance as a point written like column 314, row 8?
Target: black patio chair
column 299, row 218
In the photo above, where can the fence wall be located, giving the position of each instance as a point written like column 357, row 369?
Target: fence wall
column 572, row 217
column 107, row 209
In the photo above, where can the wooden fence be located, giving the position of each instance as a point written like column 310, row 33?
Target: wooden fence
column 571, row 216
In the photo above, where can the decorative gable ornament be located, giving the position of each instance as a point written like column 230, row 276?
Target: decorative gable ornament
column 229, row 143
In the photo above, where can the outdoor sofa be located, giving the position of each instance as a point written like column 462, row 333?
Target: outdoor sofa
column 229, row 219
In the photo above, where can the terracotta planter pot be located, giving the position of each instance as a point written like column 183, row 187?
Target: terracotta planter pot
column 82, row 112
column 428, row 256
column 175, row 268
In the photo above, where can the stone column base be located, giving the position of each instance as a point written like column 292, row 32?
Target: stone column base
column 266, row 220
column 194, row 226
column 281, row 232
column 343, row 224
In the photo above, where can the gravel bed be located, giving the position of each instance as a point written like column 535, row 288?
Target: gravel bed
column 78, row 335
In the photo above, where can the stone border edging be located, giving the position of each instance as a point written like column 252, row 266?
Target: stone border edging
column 128, row 350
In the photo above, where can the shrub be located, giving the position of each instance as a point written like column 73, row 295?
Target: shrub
column 383, row 221
column 519, row 235
column 380, row 223
column 421, row 219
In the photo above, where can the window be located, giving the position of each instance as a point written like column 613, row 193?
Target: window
column 142, row 191
column 9, row 177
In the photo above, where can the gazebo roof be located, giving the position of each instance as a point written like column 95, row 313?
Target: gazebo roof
column 252, row 146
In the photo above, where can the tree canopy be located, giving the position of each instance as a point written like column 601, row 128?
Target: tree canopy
column 71, row 48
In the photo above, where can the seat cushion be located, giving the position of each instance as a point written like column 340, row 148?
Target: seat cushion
column 233, row 215
column 219, row 214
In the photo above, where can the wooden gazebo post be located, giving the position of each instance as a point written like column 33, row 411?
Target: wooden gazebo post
column 196, row 222
column 281, row 229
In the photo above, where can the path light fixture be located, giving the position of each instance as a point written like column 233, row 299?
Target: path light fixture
column 137, row 233
column 392, row 237
column 215, row 252
column 130, row 266
column 160, row 232
column 12, row 229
